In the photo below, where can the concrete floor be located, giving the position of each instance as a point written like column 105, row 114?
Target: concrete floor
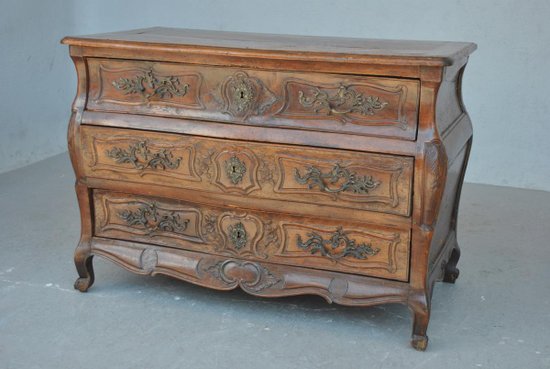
column 496, row 316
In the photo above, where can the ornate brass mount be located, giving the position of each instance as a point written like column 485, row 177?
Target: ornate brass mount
column 141, row 157
column 345, row 101
column 235, row 169
column 316, row 244
column 243, row 95
column 242, row 92
column 164, row 87
column 352, row 182
column 153, row 220
column 237, row 235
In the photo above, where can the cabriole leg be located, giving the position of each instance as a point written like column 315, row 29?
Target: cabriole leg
column 421, row 317
column 419, row 339
column 451, row 271
column 84, row 267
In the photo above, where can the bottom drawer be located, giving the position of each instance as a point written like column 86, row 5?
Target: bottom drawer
column 310, row 242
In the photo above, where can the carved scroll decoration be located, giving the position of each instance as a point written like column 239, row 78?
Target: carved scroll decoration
column 153, row 220
column 261, row 277
column 316, row 244
column 313, row 177
column 345, row 101
column 163, row 87
column 141, row 157
column 204, row 164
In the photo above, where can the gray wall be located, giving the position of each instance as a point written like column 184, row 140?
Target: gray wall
column 505, row 85
column 37, row 81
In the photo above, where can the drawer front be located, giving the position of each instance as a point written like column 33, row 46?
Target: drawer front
column 275, row 238
column 303, row 175
column 313, row 101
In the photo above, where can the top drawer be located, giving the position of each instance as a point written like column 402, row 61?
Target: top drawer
column 313, row 101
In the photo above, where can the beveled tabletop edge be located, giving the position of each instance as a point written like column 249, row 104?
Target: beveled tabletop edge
column 278, row 46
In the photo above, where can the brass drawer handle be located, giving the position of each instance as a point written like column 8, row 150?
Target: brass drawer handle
column 316, row 244
column 141, row 157
column 164, row 87
column 345, row 101
column 352, row 182
column 237, row 235
column 152, row 220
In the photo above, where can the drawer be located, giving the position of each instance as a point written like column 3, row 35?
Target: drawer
column 318, row 177
column 290, row 240
column 359, row 105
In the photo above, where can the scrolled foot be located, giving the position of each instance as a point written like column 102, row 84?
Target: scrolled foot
column 82, row 284
column 419, row 343
column 451, row 275
column 85, row 270
column 451, row 271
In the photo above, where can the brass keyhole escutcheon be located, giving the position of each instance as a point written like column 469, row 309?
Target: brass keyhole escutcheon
column 237, row 235
column 235, row 169
column 240, row 235
column 241, row 93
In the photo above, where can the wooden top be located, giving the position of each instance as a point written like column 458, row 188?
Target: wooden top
column 310, row 48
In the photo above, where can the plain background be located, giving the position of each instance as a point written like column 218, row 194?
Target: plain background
column 505, row 84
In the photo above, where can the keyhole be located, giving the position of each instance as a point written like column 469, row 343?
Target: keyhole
column 242, row 95
column 233, row 169
column 239, row 235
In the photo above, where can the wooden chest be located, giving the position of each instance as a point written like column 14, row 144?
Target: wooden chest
column 282, row 165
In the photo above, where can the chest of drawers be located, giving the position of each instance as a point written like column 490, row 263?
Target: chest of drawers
column 282, row 165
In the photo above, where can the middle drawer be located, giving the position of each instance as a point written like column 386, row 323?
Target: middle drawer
column 356, row 180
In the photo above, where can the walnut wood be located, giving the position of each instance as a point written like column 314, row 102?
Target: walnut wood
column 282, row 165
column 344, row 289
column 431, row 53
column 270, row 169
column 270, row 237
column 275, row 101
column 252, row 133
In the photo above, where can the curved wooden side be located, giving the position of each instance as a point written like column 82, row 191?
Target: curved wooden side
column 443, row 142
column 82, row 256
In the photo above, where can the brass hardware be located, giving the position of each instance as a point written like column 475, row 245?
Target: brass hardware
column 241, row 96
column 352, row 182
column 164, row 87
column 316, row 244
column 152, row 220
column 235, row 169
column 141, row 157
column 345, row 101
column 238, row 236
column 242, row 93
